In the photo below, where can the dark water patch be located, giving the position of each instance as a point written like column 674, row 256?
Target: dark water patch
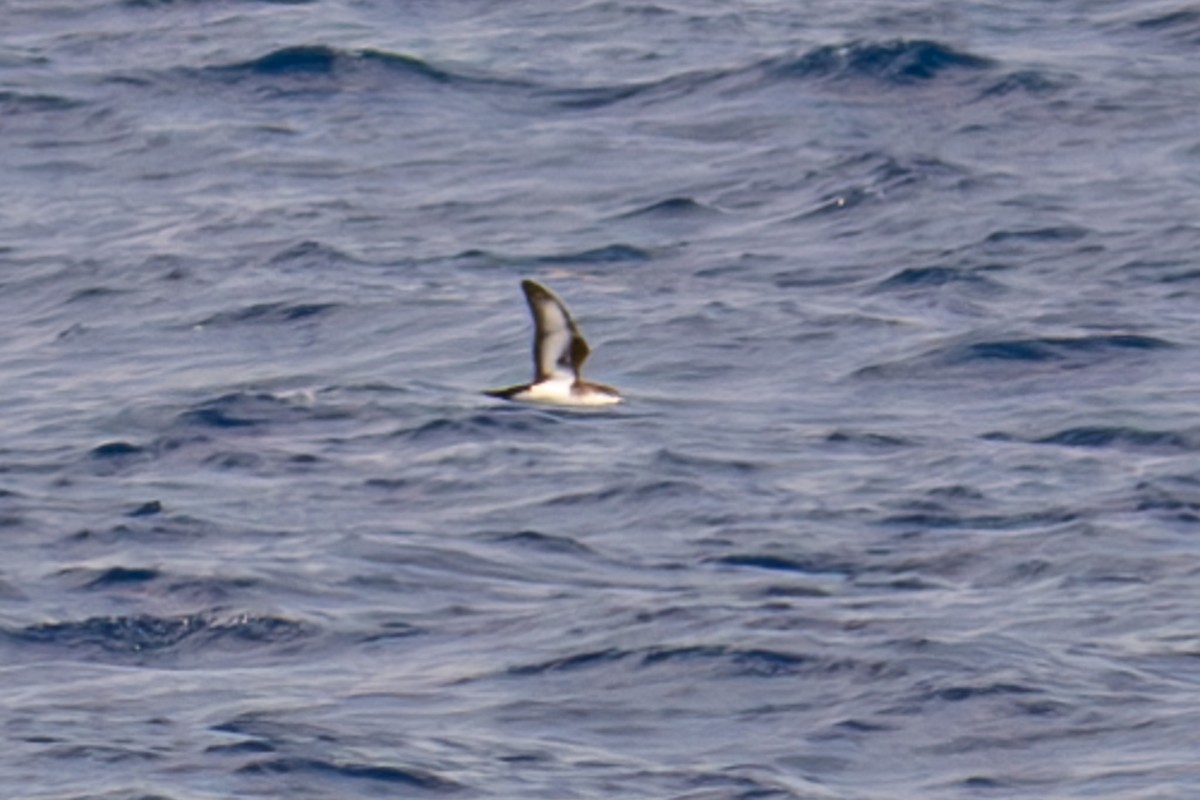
column 249, row 410
column 594, row 97
column 1101, row 436
column 696, row 464
column 1159, row 269
column 249, row 747
column 959, row 694
column 504, row 419
column 1181, row 25
column 332, row 69
column 752, row 662
column 223, row 413
column 1057, row 348
column 1053, row 233
column 793, row 591
column 20, row 103
column 778, row 563
column 1053, row 353
column 543, row 542
column 728, row 661
column 137, row 634
column 1028, row 81
column 319, row 59
column 147, row 509
column 671, row 208
column 164, row 527
column 115, row 457
column 108, row 754
column 894, row 63
column 300, row 767
column 1177, row 496
column 658, row 91
column 392, row 629
column 617, row 253
column 94, row 293
column 608, row 254
column 1188, row 18
column 649, row 491
column 726, row 784
column 309, row 254
column 116, row 577
column 862, row 726
column 934, row 520
column 234, row 461
column 571, row 662
column 867, row 439
column 116, row 450
column 389, row 484
column 269, row 314
column 148, row 635
column 934, row 277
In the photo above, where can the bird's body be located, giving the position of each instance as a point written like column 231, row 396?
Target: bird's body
column 559, row 351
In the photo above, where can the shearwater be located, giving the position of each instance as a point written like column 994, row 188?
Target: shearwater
column 559, row 351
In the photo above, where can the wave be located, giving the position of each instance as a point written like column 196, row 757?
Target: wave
column 985, row 522
column 543, row 542
column 699, row 465
column 1053, row 348
column 1025, row 81
column 514, row 419
column 671, row 208
column 1054, row 233
column 1050, row 352
column 301, row 766
column 1182, row 25
column 732, row 661
column 1111, row 436
column 19, row 103
column 776, row 563
column 323, row 69
column 587, row 98
column 617, row 253
column 867, row 439
column 324, row 60
column 1177, row 497
column 268, row 313
column 312, row 254
column 116, row 450
column 878, row 177
column 145, row 635
column 632, row 495
column 893, row 63
column 119, row 577
column 248, row 409
column 936, row 277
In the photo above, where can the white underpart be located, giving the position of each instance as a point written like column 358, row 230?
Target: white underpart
column 559, row 390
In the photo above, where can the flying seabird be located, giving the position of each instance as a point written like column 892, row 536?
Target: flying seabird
column 559, row 351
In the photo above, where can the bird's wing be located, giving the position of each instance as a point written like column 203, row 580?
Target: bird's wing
column 558, row 345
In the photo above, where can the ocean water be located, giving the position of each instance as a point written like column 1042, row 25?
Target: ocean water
column 904, row 502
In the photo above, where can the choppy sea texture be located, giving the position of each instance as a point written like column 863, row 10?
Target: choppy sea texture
column 904, row 500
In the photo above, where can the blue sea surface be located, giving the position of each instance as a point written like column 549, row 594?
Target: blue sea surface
column 904, row 501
